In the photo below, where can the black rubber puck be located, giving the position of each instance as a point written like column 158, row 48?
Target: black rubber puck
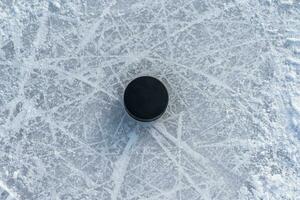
column 146, row 98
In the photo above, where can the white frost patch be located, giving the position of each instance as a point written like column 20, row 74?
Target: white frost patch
column 8, row 190
column 56, row 4
column 121, row 165
column 296, row 103
column 273, row 187
column 287, row 2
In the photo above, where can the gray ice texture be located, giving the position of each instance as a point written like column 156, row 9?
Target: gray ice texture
column 232, row 127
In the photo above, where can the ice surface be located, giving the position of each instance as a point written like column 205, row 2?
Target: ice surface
column 231, row 130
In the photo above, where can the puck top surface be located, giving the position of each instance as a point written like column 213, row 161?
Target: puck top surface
column 146, row 98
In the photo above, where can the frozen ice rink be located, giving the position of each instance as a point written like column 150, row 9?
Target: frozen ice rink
column 232, row 127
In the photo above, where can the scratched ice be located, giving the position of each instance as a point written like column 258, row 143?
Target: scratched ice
column 232, row 128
